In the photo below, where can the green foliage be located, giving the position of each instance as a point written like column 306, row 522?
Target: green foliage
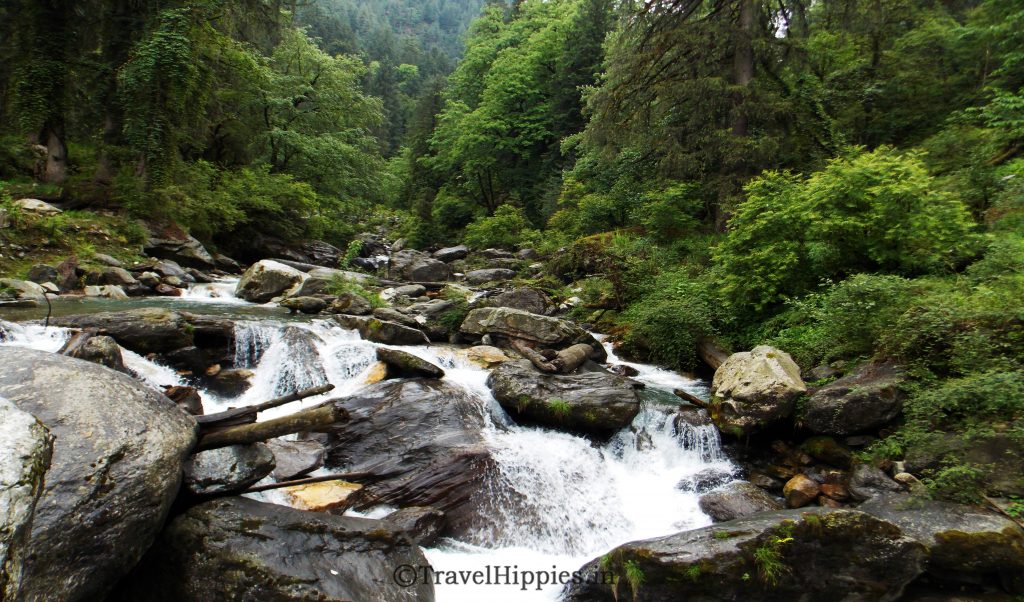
column 352, row 251
column 340, row 285
column 559, row 408
column 875, row 211
column 634, row 576
column 508, row 228
column 768, row 558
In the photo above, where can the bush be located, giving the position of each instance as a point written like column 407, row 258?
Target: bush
column 508, row 228
column 341, row 285
column 876, row 211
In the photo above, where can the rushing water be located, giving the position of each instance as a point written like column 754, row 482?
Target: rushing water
column 581, row 499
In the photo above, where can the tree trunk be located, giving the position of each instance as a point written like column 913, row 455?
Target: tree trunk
column 56, row 151
column 743, row 65
column 306, row 420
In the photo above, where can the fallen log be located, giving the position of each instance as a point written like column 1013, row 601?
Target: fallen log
column 690, row 397
column 306, row 420
column 712, row 354
column 247, row 415
column 569, row 359
column 538, row 360
column 352, row 477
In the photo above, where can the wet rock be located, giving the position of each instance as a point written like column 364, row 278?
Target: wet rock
column 351, row 304
column 438, row 458
column 231, row 383
column 150, row 279
column 306, row 305
column 295, row 459
column 241, row 549
column 449, row 254
column 100, row 350
column 753, row 389
column 965, row 544
column 736, row 500
column 485, row 356
column 166, row 290
column 227, row 469
column 170, row 269
column 867, row 481
column 266, row 280
column 596, row 403
column 378, row 331
column 106, row 494
column 814, row 554
column 406, row 365
column 422, row 525
column 510, row 323
column 186, row 398
column 800, row 491
column 144, row 331
column 863, row 401
column 26, row 447
column 706, row 480
column 489, row 275
column 321, row 497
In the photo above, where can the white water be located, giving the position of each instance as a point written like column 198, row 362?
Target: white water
column 221, row 291
column 582, row 500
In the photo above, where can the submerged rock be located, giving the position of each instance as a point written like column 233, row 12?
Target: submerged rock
column 117, row 461
column 753, row 389
column 598, row 403
column 786, row 555
column 241, row 549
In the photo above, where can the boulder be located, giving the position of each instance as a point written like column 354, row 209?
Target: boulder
column 227, row 469
column 965, row 544
column 330, row 274
column 379, row 331
column 706, row 480
column 5, row 222
column 186, row 398
column 828, row 450
column 416, row 266
column 179, row 247
column 597, row 403
column 867, row 481
column 422, row 525
column 406, row 365
column 321, row 253
column 41, row 274
column 67, row 271
column 167, row 268
column 116, row 469
column 321, row 497
column 736, row 500
column 294, row 459
column 786, row 555
column 351, row 304
column 449, row 254
column 104, row 259
column 226, row 264
column 800, row 491
column 107, row 291
column 507, row 323
column 100, row 350
column 423, row 441
column 532, row 300
column 36, row 207
column 116, row 276
column 23, row 290
column 144, row 331
column 25, row 451
column 489, row 275
column 241, row 549
column 267, row 280
column 411, row 290
column 306, row 305
column 863, row 401
column 392, row 315
column 485, row 356
column 231, row 383
column 753, row 389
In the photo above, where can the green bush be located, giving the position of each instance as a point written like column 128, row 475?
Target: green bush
column 508, row 228
column 875, row 211
column 341, row 285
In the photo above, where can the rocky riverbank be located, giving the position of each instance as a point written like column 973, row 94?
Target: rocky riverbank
column 108, row 493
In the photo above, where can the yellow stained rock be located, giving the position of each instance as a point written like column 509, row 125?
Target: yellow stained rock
column 485, row 356
column 376, row 373
column 320, row 497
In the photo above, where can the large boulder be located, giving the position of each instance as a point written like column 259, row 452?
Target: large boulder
column 423, row 438
column 753, row 389
column 28, row 293
column 813, row 555
column 100, row 350
column 25, row 450
column 736, row 500
column 402, row 364
column 380, row 331
column 227, row 469
column 598, row 403
column 528, row 299
column 36, row 207
column 148, row 330
column 266, row 280
column 174, row 244
column 416, row 266
column 116, row 468
column 965, row 544
column 241, row 549
column 449, row 254
column 863, row 401
column 507, row 323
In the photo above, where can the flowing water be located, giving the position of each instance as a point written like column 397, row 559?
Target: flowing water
column 582, row 499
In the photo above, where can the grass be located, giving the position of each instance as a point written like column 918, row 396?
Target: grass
column 560, row 408
column 634, row 576
column 340, row 285
column 768, row 558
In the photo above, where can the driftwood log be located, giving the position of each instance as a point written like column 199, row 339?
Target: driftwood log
column 306, row 420
column 247, row 415
column 712, row 354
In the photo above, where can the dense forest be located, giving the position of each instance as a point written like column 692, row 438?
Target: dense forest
column 842, row 179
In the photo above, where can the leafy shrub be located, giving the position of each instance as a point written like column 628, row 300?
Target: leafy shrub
column 340, row 285
column 508, row 228
column 453, row 212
